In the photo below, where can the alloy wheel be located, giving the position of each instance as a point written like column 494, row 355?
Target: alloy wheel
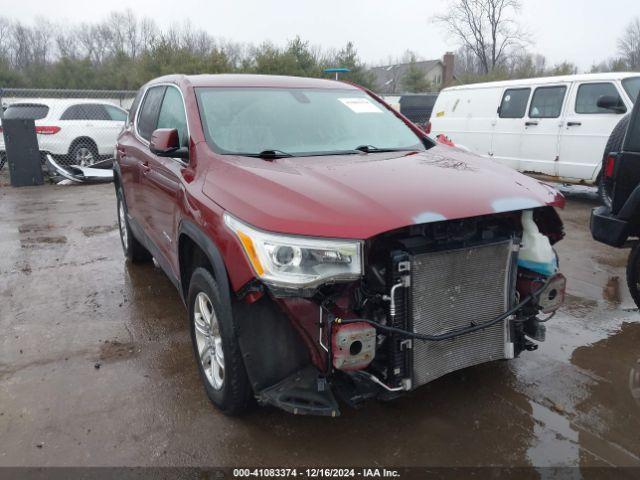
column 124, row 235
column 208, row 340
column 84, row 157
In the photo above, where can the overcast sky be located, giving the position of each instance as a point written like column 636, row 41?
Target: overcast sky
column 581, row 31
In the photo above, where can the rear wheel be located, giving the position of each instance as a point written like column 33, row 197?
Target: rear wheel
column 216, row 346
column 633, row 274
column 83, row 153
column 133, row 250
column 605, row 186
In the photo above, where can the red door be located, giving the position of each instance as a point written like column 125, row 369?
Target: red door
column 139, row 156
column 163, row 179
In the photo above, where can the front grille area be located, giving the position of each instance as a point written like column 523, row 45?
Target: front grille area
column 450, row 290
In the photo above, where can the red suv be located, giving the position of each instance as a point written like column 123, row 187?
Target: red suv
column 324, row 245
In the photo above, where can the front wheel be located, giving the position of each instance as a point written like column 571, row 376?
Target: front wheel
column 633, row 274
column 216, row 346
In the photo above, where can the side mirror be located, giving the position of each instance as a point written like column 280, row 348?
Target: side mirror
column 165, row 142
column 612, row 102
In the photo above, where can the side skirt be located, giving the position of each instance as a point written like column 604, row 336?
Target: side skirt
column 143, row 238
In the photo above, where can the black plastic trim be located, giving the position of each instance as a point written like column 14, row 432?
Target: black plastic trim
column 142, row 237
column 609, row 229
column 193, row 231
column 631, row 207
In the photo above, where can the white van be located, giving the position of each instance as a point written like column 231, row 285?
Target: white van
column 555, row 126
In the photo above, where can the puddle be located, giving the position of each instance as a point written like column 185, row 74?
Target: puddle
column 578, row 307
column 617, row 261
column 98, row 230
column 634, row 382
column 114, row 351
column 556, row 442
column 39, row 242
column 35, row 228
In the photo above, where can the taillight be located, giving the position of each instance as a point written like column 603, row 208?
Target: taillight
column 609, row 166
column 47, row 130
column 353, row 346
column 427, row 128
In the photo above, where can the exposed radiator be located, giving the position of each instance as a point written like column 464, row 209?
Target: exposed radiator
column 451, row 289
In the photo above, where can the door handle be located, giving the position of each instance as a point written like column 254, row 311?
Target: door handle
column 574, row 124
column 530, row 124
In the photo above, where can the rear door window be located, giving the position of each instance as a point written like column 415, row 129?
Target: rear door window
column 116, row 114
column 29, row 111
column 590, row 93
column 148, row 117
column 514, row 103
column 85, row 111
column 75, row 112
column 547, row 102
column 96, row 111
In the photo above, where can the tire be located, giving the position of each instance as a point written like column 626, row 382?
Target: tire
column 216, row 347
column 614, row 144
column 83, row 152
column 633, row 274
column 133, row 250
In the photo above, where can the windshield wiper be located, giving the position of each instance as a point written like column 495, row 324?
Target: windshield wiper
column 374, row 149
column 269, row 154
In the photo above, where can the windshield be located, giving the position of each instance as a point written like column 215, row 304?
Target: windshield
column 29, row 111
column 632, row 86
column 299, row 121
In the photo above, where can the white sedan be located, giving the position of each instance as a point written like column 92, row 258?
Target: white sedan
column 75, row 132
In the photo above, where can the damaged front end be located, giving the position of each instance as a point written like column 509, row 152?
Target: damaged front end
column 378, row 318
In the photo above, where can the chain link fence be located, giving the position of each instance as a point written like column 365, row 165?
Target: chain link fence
column 77, row 127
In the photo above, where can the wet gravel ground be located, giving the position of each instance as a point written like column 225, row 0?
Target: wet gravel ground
column 96, row 366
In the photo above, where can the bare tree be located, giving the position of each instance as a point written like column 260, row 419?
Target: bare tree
column 67, row 44
column 466, row 63
column 486, row 27
column 95, row 41
column 629, row 44
column 148, row 33
column 5, row 38
column 615, row 64
column 526, row 65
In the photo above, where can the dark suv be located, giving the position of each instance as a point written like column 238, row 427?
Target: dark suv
column 618, row 222
column 324, row 245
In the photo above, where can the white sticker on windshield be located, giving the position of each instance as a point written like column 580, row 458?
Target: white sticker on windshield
column 360, row 105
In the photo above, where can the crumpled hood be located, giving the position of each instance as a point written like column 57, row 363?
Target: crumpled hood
column 359, row 196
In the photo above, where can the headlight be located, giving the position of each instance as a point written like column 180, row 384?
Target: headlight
column 295, row 262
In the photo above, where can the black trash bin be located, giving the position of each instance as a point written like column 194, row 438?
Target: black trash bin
column 23, row 154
